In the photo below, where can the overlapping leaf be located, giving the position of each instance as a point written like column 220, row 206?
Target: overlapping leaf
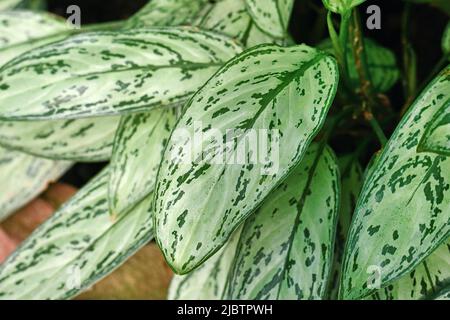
column 402, row 214
column 209, row 281
column 76, row 140
column 23, row 177
column 106, row 73
column 231, row 17
column 75, row 247
column 381, row 63
column 271, row 16
column 286, row 247
column 437, row 134
column 21, row 31
column 426, row 280
column 351, row 183
column 139, row 146
column 275, row 100
column 166, row 13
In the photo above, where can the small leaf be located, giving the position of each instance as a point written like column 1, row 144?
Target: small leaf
column 108, row 73
column 381, row 62
column 446, row 41
column 281, row 95
column 286, row 247
column 23, row 177
column 437, row 134
column 271, row 16
column 351, row 183
column 426, row 280
column 209, row 281
column 24, row 30
column 402, row 213
column 76, row 247
column 138, row 149
column 341, row 6
column 84, row 140
column 231, row 18
column 166, row 13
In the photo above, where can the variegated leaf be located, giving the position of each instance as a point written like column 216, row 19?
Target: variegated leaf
column 166, row 13
column 381, row 62
column 21, row 31
column 269, row 96
column 107, row 73
column 341, row 6
column 351, row 183
column 271, row 16
column 85, row 140
column 209, row 281
column 79, row 140
column 403, row 211
column 138, row 149
column 230, row 17
column 437, row 134
column 286, row 247
column 9, row 4
column 23, row 177
column 76, row 247
column 426, row 280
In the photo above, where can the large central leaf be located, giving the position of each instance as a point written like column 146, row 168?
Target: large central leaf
column 240, row 135
column 110, row 73
column 403, row 211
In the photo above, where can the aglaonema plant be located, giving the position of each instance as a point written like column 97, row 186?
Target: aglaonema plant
column 219, row 132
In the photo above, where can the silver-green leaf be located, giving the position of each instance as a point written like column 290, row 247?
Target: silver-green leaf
column 84, row 140
column 402, row 213
column 23, row 177
column 21, row 31
column 341, row 6
column 351, row 183
column 285, row 249
column 138, row 149
column 271, row 16
column 277, row 96
column 166, row 13
column 437, row 134
column 426, row 280
column 76, row 247
column 231, row 18
column 209, row 281
column 108, row 73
